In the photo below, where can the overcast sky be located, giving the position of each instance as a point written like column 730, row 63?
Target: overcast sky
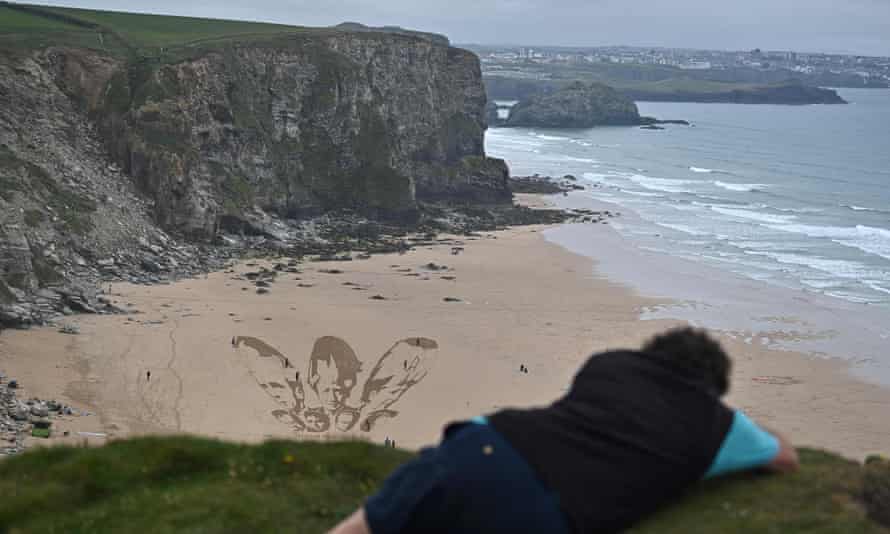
column 846, row 26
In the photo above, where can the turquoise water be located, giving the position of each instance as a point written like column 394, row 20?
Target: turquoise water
column 797, row 196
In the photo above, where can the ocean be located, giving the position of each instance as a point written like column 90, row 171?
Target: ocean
column 795, row 197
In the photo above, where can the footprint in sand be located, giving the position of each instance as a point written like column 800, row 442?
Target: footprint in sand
column 159, row 398
column 777, row 380
column 324, row 397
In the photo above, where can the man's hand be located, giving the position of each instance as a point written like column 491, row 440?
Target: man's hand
column 786, row 461
column 354, row 524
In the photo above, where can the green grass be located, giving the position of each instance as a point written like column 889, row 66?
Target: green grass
column 189, row 485
column 183, row 484
column 23, row 30
column 823, row 497
column 25, row 26
column 143, row 30
column 13, row 21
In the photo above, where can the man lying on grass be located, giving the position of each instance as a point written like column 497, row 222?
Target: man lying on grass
column 634, row 431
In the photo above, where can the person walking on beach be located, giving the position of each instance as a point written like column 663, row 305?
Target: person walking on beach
column 148, row 376
column 636, row 429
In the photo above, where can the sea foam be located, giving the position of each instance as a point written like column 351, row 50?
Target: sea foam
column 754, row 215
column 581, row 160
column 840, row 268
column 875, row 284
column 865, row 238
column 863, row 208
column 683, row 228
column 642, row 193
column 667, row 185
column 740, row 187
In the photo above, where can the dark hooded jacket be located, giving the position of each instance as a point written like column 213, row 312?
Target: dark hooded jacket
column 634, row 431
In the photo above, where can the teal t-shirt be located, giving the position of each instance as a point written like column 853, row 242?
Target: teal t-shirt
column 745, row 446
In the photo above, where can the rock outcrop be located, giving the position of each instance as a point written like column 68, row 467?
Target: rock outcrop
column 296, row 123
column 19, row 417
column 578, row 105
column 369, row 121
column 791, row 92
column 110, row 158
column 63, row 205
column 492, row 117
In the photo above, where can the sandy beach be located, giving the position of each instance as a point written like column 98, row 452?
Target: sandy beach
column 394, row 346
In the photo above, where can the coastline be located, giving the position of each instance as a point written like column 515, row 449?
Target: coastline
column 788, row 346
column 522, row 300
column 717, row 298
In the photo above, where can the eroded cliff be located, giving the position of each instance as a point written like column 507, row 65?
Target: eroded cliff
column 302, row 124
column 578, row 105
column 108, row 138
column 295, row 126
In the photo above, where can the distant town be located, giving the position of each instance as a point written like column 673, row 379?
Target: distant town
column 824, row 69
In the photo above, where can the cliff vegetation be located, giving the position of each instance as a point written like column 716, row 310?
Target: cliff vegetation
column 679, row 89
column 182, row 484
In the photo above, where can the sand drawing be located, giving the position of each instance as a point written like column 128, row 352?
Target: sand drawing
column 325, row 396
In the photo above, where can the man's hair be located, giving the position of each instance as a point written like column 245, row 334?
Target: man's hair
column 696, row 351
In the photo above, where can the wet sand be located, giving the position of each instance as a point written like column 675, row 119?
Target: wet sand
column 319, row 356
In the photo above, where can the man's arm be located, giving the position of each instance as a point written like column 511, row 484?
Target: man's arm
column 748, row 445
column 786, row 461
column 354, row 524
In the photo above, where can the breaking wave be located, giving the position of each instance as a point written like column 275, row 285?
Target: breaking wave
column 740, row 187
column 865, row 238
column 667, row 185
column 753, row 215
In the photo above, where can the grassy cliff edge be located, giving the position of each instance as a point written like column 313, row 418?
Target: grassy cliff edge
column 186, row 484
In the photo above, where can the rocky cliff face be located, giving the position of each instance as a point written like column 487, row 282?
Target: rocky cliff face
column 578, row 105
column 298, row 126
column 63, row 205
column 96, row 150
